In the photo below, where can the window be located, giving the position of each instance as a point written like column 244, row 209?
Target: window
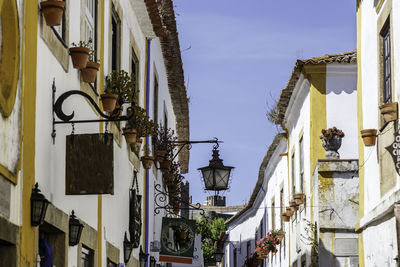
column 301, row 165
column 155, row 100
column 273, row 215
column 115, row 40
column 248, row 249
column 293, row 175
column 281, row 206
column 91, row 29
column 386, row 60
column 135, row 72
column 234, row 257
column 60, row 30
column 87, row 257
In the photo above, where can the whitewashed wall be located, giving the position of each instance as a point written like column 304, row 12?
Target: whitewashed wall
column 50, row 159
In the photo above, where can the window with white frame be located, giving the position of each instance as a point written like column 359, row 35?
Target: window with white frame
column 301, row 165
column 386, row 60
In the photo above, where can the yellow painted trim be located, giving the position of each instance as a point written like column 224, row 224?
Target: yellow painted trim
column 10, row 52
column 28, row 89
column 379, row 6
column 12, row 177
column 360, row 142
column 101, row 89
column 316, row 74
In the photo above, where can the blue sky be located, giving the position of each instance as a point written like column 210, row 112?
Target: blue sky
column 236, row 55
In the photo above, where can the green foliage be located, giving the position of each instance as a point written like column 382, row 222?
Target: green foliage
column 210, row 231
column 121, row 83
column 142, row 123
column 87, row 44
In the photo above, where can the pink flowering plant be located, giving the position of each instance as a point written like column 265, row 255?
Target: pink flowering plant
column 269, row 244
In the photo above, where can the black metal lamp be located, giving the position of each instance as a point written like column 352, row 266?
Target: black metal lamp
column 216, row 175
column 75, row 229
column 127, row 249
column 218, row 256
column 142, row 258
column 152, row 261
column 39, row 206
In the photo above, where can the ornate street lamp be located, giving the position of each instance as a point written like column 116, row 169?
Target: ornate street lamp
column 152, row 261
column 75, row 229
column 142, row 258
column 218, row 256
column 216, row 175
column 127, row 249
column 38, row 206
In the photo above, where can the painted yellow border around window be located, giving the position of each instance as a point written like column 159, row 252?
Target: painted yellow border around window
column 379, row 6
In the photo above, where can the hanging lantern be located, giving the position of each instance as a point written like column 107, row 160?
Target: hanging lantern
column 216, row 175
column 152, row 261
column 142, row 258
column 218, row 256
column 127, row 249
column 75, row 229
column 39, row 206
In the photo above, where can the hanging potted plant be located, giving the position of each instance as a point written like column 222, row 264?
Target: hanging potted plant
column 389, row 111
column 331, row 142
column 268, row 244
column 289, row 211
column 52, row 12
column 147, row 160
column 369, row 136
column 118, row 84
column 89, row 74
column 298, row 198
column 163, row 142
column 293, row 205
column 80, row 54
column 137, row 146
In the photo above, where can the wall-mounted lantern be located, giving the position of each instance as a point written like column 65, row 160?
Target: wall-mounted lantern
column 38, row 206
column 142, row 258
column 218, row 256
column 127, row 249
column 75, row 229
column 152, row 261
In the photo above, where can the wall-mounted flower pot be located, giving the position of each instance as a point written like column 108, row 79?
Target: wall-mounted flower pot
column 164, row 165
column 299, row 198
column 369, row 136
column 89, row 74
column 160, row 154
column 109, row 101
column 292, row 203
column 294, row 208
column 147, row 161
column 285, row 218
column 79, row 56
column 52, row 12
column 137, row 145
column 289, row 211
column 389, row 111
column 130, row 135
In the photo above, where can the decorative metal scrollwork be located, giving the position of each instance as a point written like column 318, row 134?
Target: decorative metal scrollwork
column 162, row 201
column 64, row 118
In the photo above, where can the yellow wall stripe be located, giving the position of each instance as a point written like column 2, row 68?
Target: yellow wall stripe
column 28, row 85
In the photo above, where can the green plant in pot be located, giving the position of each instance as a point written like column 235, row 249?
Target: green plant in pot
column 147, row 160
column 80, row 54
column 164, row 143
column 89, row 74
column 140, row 124
column 117, row 84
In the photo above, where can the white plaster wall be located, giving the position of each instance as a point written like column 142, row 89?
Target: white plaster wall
column 243, row 229
column 341, row 105
column 50, row 159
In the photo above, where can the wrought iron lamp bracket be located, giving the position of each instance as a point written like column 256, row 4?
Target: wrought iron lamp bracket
column 65, row 119
column 188, row 143
column 161, row 198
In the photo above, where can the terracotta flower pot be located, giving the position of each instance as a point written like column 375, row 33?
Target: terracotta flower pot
column 137, row 145
column 289, row 211
column 299, row 198
column 130, row 135
column 160, row 154
column 294, row 208
column 147, row 161
column 52, row 12
column 79, row 56
column 285, row 218
column 164, row 165
column 389, row 111
column 292, row 203
column 109, row 101
column 89, row 74
column 369, row 137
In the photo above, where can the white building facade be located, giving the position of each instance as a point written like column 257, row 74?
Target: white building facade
column 139, row 37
